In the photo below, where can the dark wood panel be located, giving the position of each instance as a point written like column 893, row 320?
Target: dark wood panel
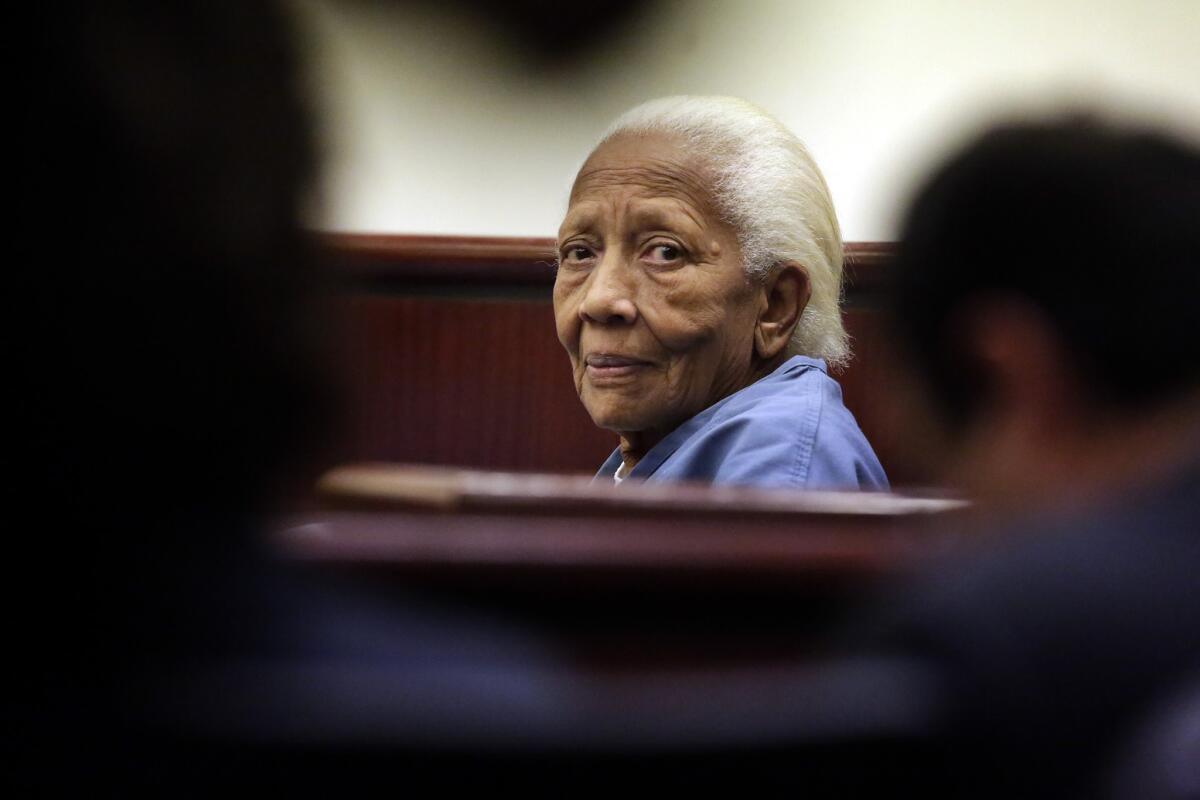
column 464, row 382
column 870, row 387
column 384, row 260
column 435, row 490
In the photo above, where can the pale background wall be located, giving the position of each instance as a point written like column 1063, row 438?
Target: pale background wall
column 433, row 126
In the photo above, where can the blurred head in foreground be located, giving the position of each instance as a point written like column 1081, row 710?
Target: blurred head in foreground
column 173, row 372
column 1046, row 292
column 178, row 379
column 176, row 337
column 1048, row 287
column 699, row 253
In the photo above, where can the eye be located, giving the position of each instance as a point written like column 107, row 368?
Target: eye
column 663, row 253
column 575, row 255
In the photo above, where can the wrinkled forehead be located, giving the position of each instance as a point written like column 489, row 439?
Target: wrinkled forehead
column 646, row 165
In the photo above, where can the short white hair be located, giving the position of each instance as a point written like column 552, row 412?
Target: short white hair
column 770, row 190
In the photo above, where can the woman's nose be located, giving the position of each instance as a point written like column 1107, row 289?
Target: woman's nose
column 608, row 299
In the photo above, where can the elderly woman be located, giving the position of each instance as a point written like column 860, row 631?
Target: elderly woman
column 697, row 297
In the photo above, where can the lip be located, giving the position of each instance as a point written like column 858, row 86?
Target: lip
column 612, row 366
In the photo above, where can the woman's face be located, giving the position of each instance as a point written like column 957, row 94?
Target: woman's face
column 651, row 300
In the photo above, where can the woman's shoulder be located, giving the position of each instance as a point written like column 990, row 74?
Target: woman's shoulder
column 795, row 419
column 799, row 384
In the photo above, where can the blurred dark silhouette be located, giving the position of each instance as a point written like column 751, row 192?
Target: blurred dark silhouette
column 169, row 370
column 1062, row 366
column 172, row 387
column 551, row 33
column 1161, row 760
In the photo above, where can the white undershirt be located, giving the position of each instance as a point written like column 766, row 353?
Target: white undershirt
column 621, row 473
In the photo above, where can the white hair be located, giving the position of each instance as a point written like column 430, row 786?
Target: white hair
column 769, row 189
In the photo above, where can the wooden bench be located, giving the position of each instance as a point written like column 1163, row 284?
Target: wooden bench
column 668, row 574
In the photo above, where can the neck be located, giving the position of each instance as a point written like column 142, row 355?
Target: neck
column 634, row 445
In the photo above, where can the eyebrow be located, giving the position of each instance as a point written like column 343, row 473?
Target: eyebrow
column 581, row 221
column 658, row 217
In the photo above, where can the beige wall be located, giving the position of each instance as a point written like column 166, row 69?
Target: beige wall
column 430, row 125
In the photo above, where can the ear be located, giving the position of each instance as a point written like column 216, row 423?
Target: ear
column 784, row 295
column 1031, row 412
column 1027, row 375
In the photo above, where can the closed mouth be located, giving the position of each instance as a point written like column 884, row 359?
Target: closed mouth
column 611, row 360
column 611, row 366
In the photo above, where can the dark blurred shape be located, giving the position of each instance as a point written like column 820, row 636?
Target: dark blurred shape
column 554, row 33
column 1161, row 761
column 1094, row 226
column 164, row 158
column 172, row 384
column 169, row 363
column 1062, row 364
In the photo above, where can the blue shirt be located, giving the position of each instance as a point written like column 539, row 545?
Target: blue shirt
column 787, row 429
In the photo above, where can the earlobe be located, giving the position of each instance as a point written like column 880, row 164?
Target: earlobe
column 786, row 292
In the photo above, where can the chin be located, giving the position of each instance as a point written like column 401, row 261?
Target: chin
column 619, row 420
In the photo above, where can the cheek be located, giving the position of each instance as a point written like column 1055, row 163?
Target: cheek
column 683, row 319
column 566, row 316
